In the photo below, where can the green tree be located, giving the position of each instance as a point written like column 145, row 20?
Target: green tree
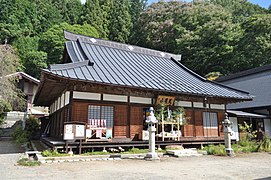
column 240, row 9
column 52, row 41
column 93, row 15
column 47, row 15
column 206, row 38
column 254, row 48
column 15, row 19
column 154, row 28
column 9, row 94
column 136, row 8
column 204, row 33
column 120, row 21
column 70, row 10
column 26, row 18
column 106, row 6
column 32, row 60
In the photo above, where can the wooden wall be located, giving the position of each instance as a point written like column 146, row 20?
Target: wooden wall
column 198, row 123
column 128, row 120
column 136, row 123
column 121, row 127
column 80, row 112
column 195, row 124
column 221, row 117
column 188, row 130
column 57, row 120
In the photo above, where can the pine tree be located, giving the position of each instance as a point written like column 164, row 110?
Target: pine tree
column 70, row 10
column 94, row 15
column 136, row 8
column 120, row 21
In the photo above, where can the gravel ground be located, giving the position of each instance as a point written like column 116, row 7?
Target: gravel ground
column 243, row 166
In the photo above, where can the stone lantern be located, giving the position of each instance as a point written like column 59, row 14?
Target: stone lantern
column 151, row 120
column 227, row 135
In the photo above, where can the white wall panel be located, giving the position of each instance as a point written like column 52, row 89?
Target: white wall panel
column 218, row 106
column 67, row 98
column 86, row 95
column 140, row 100
column 199, row 105
column 117, row 98
column 183, row 103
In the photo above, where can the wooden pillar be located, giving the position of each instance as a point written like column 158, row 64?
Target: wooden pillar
column 129, row 118
column 194, row 119
column 70, row 106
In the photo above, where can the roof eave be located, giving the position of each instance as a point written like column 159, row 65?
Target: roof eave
column 226, row 98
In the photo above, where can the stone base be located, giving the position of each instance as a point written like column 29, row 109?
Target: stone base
column 229, row 152
column 152, row 156
column 184, row 152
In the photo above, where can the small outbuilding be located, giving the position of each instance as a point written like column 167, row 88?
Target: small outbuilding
column 257, row 112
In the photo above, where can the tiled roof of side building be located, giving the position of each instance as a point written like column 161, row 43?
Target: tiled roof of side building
column 244, row 73
column 108, row 63
column 26, row 76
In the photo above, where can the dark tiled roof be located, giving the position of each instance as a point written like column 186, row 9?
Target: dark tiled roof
column 258, row 82
column 106, row 62
column 74, row 49
column 245, row 73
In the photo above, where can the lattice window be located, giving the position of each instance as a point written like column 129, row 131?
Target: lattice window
column 101, row 116
column 210, row 120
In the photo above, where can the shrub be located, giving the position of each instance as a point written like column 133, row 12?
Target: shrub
column 96, row 153
column 247, row 130
column 27, row 162
column 32, row 127
column 54, row 153
column 46, row 153
column 20, row 136
column 265, row 144
column 136, row 151
column 235, row 148
column 215, row 150
column 248, row 149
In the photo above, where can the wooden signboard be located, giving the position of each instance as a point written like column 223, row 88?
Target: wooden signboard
column 74, row 130
column 168, row 100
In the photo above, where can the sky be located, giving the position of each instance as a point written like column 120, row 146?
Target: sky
column 263, row 3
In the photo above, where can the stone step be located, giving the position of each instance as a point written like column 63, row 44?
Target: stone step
column 5, row 138
column 184, row 152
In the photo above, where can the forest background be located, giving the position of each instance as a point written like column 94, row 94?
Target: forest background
column 213, row 36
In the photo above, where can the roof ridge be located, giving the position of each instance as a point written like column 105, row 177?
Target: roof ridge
column 55, row 67
column 122, row 46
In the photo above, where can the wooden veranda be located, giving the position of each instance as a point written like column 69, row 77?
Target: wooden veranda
column 60, row 144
